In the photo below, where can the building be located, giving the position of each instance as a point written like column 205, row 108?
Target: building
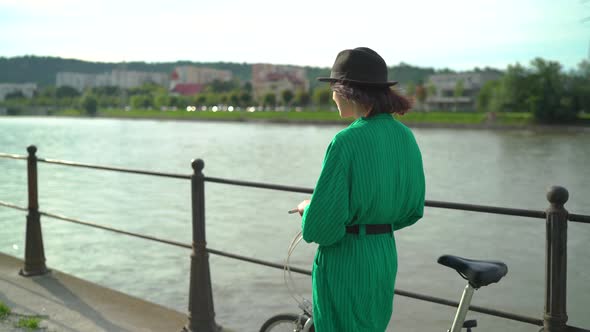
column 267, row 78
column 78, row 81
column 120, row 78
column 27, row 89
column 199, row 75
column 187, row 89
column 190, row 80
column 445, row 87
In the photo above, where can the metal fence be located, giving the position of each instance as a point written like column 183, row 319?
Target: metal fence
column 201, row 315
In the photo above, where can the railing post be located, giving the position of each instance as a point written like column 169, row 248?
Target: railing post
column 34, row 252
column 555, row 316
column 201, row 316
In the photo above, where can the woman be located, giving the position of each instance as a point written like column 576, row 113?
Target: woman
column 371, row 184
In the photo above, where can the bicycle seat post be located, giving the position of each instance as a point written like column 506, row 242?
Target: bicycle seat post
column 463, row 308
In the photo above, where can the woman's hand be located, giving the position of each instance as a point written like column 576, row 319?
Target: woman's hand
column 301, row 207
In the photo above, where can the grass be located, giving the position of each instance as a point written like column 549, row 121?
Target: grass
column 443, row 117
column 29, row 323
column 325, row 116
column 4, row 310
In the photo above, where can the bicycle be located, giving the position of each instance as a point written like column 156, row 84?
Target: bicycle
column 478, row 273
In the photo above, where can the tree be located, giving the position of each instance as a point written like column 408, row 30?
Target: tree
column 486, row 95
column 234, row 98
column 89, row 104
column 458, row 91
column 247, row 87
column 142, row 101
column 578, row 87
column 270, row 99
column 548, row 101
column 421, row 93
column 66, row 92
column 112, row 91
column 322, row 96
column 14, row 95
column 302, row 98
column 162, row 100
column 201, row 99
column 218, row 86
column 410, row 89
column 431, row 90
column 245, row 98
column 287, row 96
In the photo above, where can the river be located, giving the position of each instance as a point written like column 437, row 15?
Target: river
column 510, row 168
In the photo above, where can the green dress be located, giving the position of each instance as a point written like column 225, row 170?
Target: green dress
column 372, row 174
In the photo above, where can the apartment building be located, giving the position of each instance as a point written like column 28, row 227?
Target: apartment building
column 276, row 79
column 27, row 89
column 445, row 88
column 120, row 78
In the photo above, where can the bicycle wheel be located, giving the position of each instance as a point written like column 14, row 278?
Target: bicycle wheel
column 284, row 323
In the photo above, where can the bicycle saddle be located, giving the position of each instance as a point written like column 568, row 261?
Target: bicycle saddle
column 478, row 273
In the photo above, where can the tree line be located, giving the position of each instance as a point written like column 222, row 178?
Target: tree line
column 152, row 96
column 543, row 88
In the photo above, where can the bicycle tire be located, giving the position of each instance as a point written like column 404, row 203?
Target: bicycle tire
column 295, row 322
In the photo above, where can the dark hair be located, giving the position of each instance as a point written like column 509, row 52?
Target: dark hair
column 377, row 99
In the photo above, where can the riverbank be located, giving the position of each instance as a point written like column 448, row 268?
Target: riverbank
column 415, row 119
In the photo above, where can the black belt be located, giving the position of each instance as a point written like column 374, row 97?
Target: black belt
column 370, row 229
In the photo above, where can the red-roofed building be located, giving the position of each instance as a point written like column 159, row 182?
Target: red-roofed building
column 190, row 80
column 187, row 89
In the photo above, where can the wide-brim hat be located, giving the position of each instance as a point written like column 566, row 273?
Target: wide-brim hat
column 362, row 66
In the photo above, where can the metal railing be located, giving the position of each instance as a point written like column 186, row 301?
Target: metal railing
column 201, row 314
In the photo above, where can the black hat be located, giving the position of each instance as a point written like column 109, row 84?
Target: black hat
column 361, row 65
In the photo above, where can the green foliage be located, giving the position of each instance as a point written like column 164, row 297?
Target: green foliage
column 430, row 90
column 48, row 92
column 302, row 98
column 147, row 89
column 28, row 322
column 112, row 91
column 547, row 100
column 4, row 310
column 459, row 89
column 14, row 95
column 287, row 96
column 162, row 100
column 43, row 70
column 66, row 92
column 410, row 89
column 421, row 93
column 270, row 99
column 142, row 101
column 578, row 87
column 514, row 90
column 486, row 96
column 218, row 86
column 322, row 96
column 89, row 104
column 246, row 98
column 543, row 89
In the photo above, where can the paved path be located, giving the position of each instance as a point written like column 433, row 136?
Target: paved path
column 71, row 304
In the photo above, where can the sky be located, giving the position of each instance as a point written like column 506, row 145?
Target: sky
column 455, row 34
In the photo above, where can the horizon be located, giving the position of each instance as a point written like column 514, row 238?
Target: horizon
column 457, row 35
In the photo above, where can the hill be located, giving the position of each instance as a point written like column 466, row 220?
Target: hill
column 43, row 70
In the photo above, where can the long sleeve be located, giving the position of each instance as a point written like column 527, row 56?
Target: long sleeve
column 418, row 212
column 417, row 215
column 324, row 220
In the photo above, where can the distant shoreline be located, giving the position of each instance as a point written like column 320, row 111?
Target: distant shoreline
column 341, row 123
